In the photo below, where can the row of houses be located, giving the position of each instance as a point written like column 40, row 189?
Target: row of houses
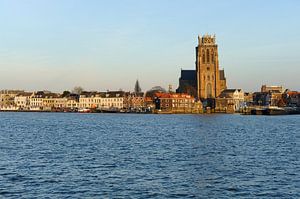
column 104, row 101
column 229, row 101
column 235, row 100
column 48, row 101
column 285, row 99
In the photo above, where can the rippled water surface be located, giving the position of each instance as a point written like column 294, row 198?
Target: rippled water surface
column 57, row 155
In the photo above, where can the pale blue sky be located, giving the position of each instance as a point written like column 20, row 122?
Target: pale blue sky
column 99, row 45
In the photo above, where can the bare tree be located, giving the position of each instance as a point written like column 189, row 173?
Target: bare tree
column 77, row 90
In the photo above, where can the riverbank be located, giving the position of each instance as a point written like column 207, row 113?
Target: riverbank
column 248, row 111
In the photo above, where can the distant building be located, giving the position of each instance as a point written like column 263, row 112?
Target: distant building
column 22, row 100
column 177, row 103
column 112, row 100
column 149, row 103
column 7, row 98
column 207, row 81
column 272, row 89
column 269, row 96
column 230, row 101
column 248, row 99
column 49, row 101
column 134, row 101
column 89, row 100
column 73, row 101
column 292, row 98
column 188, row 82
column 36, row 100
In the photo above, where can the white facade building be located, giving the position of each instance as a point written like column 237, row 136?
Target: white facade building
column 22, row 101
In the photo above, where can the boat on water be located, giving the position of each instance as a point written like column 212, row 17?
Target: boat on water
column 84, row 110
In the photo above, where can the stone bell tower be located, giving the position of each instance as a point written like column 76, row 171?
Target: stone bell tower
column 209, row 84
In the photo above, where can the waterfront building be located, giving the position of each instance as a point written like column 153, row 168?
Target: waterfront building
column 150, row 96
column 149, row 104
column 176, row 103
column 272, row 89
column 89, row 100
column 267, row 99
column 97, row 101
column 112, row 100
column 73, row 101
column 7, row 98
column 102, row 100
column 134, row 101
column 295, row 99
column 261, row 98
column 22, row 100
column 207, row 81
column 60, row 102
column 85, row 101
column 36, row 100
column 248, row 98
column 269, row 96
column 230, row 101
column 67, row 101
column 292, row 98
column 49, row 101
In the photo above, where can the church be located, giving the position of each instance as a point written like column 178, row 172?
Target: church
column 207, row 81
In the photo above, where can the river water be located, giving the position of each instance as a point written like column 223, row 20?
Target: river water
column 70, row 155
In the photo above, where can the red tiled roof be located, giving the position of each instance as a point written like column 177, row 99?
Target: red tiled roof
column 171, row 95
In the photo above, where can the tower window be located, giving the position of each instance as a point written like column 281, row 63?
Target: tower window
column 203, row 57
column 207, row 56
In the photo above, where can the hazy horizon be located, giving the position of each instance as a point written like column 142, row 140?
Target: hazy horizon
column 99, row 45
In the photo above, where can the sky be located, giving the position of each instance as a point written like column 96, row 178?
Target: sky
column 107, row 45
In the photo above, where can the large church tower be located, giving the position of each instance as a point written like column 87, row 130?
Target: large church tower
column 210, row 80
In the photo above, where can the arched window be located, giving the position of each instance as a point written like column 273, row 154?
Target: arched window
column 212, row 57
column 208, row 90
column 207, row 56
column 203, row 57
column 208, row 77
